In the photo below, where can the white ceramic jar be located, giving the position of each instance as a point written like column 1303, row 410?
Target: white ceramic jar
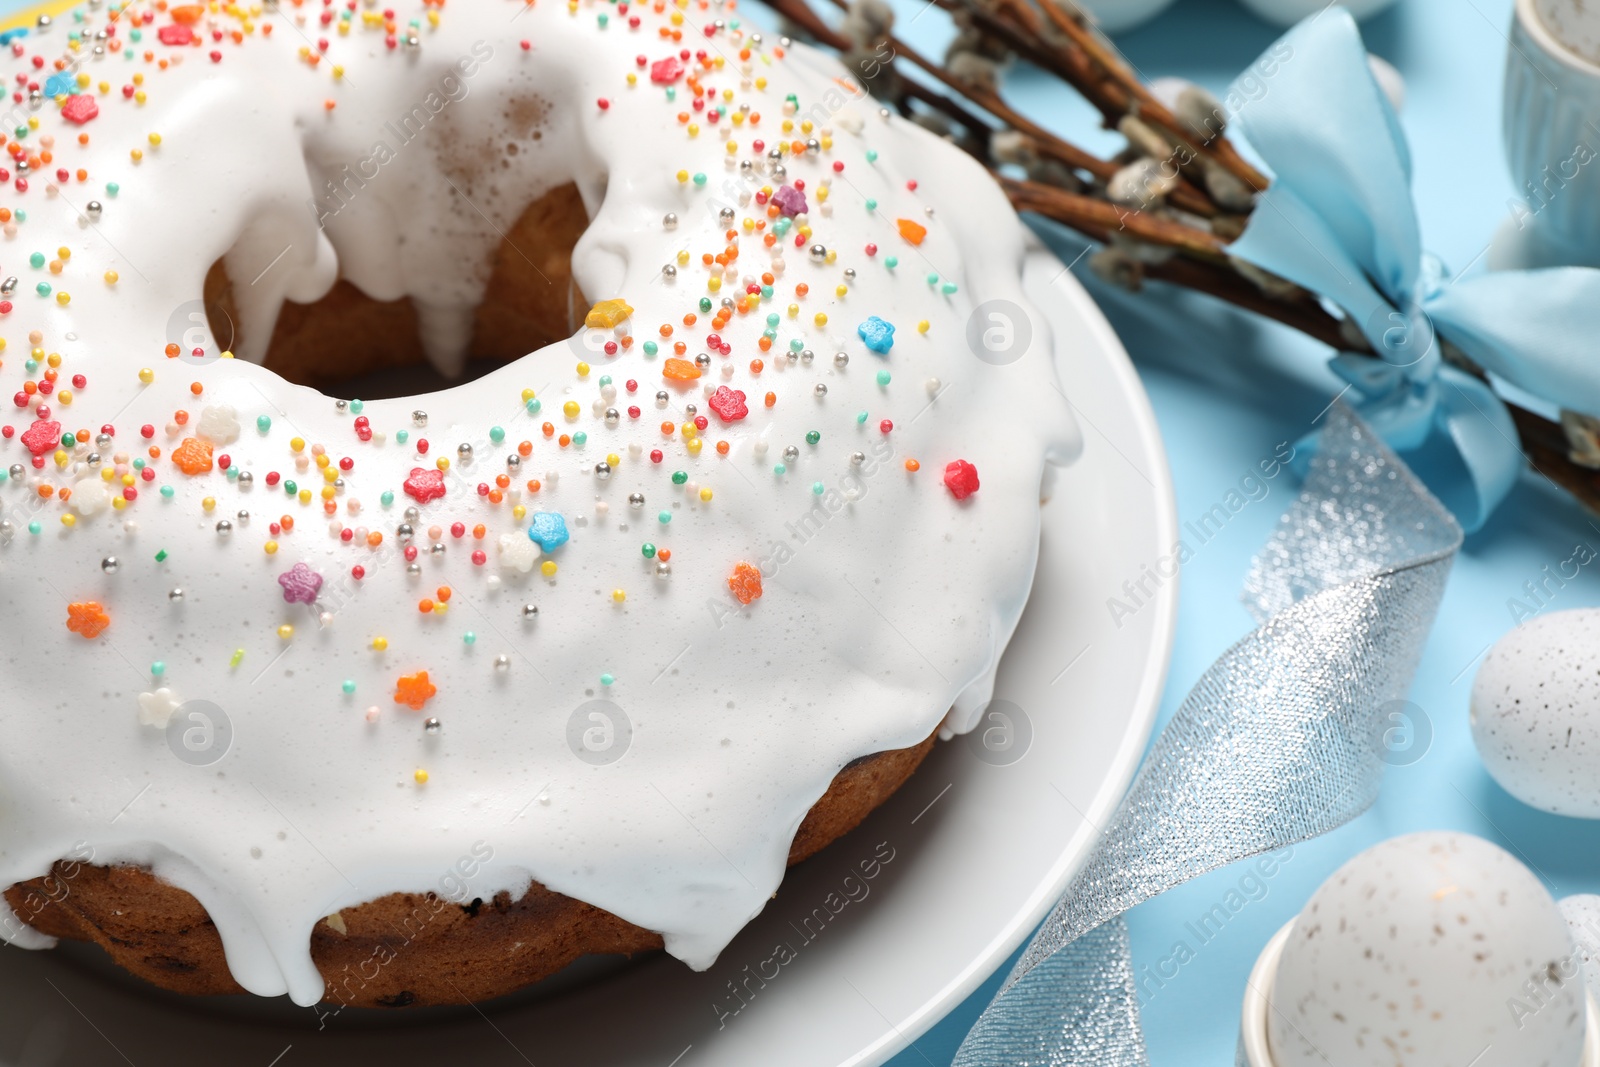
column 1552, row 144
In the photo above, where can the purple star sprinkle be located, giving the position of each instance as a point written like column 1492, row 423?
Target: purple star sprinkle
column 300, row 584
column 790, row 200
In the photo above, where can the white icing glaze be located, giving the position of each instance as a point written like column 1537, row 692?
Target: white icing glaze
column 886, row 600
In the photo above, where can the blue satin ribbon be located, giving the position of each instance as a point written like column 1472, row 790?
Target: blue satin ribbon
column 1338, row 219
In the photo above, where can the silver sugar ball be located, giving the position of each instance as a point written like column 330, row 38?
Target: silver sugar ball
column 110, row 564
column 92, row 459
column 437, row 548
column 841, row 360
column 502, row 662
column 412, row 514
column 726, row 214
column 779, row 172
column 669, row 221
column 513, row 461
column 224, row 527
column 431, row 726
column 413, row 569
column 849, row 274
column 241, row 516
column 17, row 472
column 806, row 355
column 8, row 529
column 691, row 410
column 530, row 611
column 702, row 361
column 405, row 532
column 341, row 405
column 791, row 453
column 246, row 479
column 8, row 286
column 662, row 398
column 636, row 500
column 602, row 470
column 102, row 440
column 813, row 145
column 821, row 389
column 175, row 594
column 419, row 418
column 819, row 252
column 613, row 416
column 669, row 271
column 857, row 458
column 663, row 568
column 464, row 451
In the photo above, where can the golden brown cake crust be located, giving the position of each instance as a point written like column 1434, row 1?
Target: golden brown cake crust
column 405, row 948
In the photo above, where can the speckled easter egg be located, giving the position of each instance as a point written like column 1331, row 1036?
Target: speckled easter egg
column 1536, row 712
column 1582, row 913
column 1423, row 951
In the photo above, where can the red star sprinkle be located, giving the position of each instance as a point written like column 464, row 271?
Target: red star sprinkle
column 666, row 71
column 42, row 436
column 728, row 404
column 80, row 108
column 414, row 690
column 745, row 581
column 425, row 485
column 961, row 478
column 87, row 619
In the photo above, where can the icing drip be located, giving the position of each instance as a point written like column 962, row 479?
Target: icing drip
column 360, row 734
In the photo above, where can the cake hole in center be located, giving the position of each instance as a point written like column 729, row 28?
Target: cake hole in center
column 349, row 345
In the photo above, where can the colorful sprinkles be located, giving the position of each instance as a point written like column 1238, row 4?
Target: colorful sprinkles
column 741, row 345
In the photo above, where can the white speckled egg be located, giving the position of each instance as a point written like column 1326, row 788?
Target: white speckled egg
column 1536, row 712
column 1582, row 913
column 1417, row 953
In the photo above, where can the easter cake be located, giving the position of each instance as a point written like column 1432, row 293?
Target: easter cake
column 724, row 520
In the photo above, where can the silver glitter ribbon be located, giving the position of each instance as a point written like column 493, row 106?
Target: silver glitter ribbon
column 1279, row 741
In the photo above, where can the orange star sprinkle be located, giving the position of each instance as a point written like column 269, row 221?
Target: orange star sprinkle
column 745, row 581
column 87, row 619
column 193, row 456
column 911, row 231
column 414, row 690
column 680, row 370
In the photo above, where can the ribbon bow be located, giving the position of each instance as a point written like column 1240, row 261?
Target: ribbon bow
column 1339, row 220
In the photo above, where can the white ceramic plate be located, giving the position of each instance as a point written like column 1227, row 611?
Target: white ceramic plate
column 980, row 847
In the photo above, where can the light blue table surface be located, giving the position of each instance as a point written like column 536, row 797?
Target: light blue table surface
column 1227, row 389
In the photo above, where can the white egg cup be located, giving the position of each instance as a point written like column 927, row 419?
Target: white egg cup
column 1552, row 91
column 1254, row 1049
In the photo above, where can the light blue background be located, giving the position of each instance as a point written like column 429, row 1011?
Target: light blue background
column 1227, row 390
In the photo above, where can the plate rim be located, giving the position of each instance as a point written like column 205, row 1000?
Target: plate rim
column 1147, row 703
